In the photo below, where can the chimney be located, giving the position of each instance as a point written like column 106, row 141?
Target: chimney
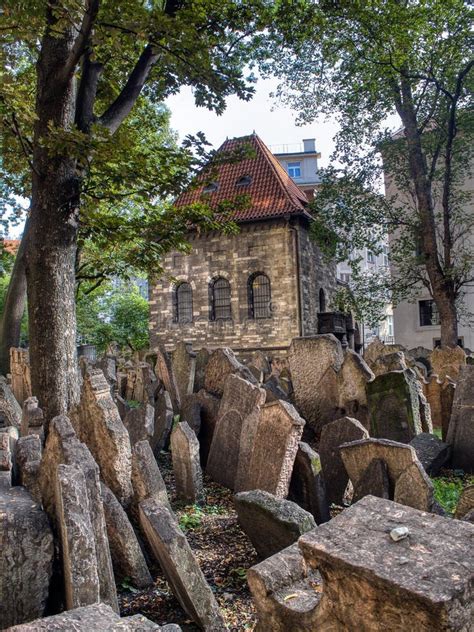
column 309, row 145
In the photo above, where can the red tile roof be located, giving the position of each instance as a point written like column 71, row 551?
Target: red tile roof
column 271, row 190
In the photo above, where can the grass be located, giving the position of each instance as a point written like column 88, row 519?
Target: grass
column 448, row 489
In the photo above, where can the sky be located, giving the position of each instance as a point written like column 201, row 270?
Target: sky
column 274, row 123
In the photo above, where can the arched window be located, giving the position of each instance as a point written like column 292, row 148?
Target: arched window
column 220, row 307
column 259, row 296
column 322, row 300
column 183, row 303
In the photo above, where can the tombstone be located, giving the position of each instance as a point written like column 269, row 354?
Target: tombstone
column 140, row 423
column 108, row 365
column 307, row 487
column 26, row 557
column 28, row 460
column 63, row 447
column 209, row 414
column 271, row 523
column 98, row 424
column 78, row 550
column 171, row 549
column 202, row 358
column 240, row 400
column 314, row 363
column 352, row 385
column 10, row 411
column 163, row 422
column 425, row 409
column 32, row 418
column 447, row 397
column 414, row 488
column 146, row 476
column 394, row 361
column 432, row 391
column 461, row 425
column 20, row 374
column 191, row 411
column 97, row 617
column 183, row 360
column 422, row 582
column 164, row 372
column 127, row 557
column 431, row 452
column 123, row 406
column 6, row 463
column 373, row 482
column 358, row 455
column 286, row 592
column 186, row 464
column 268, row 464
column 394, row 406
column 374, row 350
column 465, row 503
column 333, row 435
column 221, row 364
column 447, row 362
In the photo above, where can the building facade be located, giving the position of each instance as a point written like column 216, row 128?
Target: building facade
column 255, row 289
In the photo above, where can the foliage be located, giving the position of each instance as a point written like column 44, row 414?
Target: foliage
column 447, row 492
column 113, row 315
column 191, row 518
column 367, row 65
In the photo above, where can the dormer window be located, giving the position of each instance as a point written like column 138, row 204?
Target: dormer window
column 244, row 181
column 211, row 187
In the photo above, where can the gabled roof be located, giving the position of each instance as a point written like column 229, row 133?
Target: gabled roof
column 271, row 190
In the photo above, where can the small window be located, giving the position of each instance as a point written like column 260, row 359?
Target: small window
column 370, row 257
column 345, row 277
column 429, row 315
column 259, row 296
column 183, row 304
column 211, row 187
column 294, row 169
column 244, row 181
column 220, row 305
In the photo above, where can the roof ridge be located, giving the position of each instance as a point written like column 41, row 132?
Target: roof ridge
column 278, row 170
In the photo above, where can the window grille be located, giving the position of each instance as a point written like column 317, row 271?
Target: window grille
column 259, row 296
column 429, row 315
column 220, row 300
column 183, row 303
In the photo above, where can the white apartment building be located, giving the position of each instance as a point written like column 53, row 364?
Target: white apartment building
column 301, row 163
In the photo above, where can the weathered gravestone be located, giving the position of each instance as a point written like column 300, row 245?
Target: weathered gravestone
column 186, row 464
column 461, row 426
column 333, row 435
column 96, row 618
column 271, row 523
column 209, row 414
column 394, row 361
column 371, row 582
column 163, row 422
column 98, row 424
column 31, row 418
column 447, row 361
column 164, row 372
column 140, row 423
column 127, row 557
column 28, row 460
column 172, row 551
column 431, row 452
column 146, row 477
column 268, row 449
column 447, row 397
column 314, row 363
column 183, row 359
column 352, row 384
column 394, row 406
column 307, row 487
column 240, row 400
column 191, row 412
column 202, row 358
column 286, row 592
column 414, row 488
column 221, row 364
column 78, row 549
column 10, row 411
column 465, row 503
column 26, row 557
column 20, row 374
column 373, row 482
column 63, row 447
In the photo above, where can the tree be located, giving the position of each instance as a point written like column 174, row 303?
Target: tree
column 93, row 59
column 367, row 61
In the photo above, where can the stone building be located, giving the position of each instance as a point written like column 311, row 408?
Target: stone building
column 257, row 288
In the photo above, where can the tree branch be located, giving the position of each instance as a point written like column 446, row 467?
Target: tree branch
column 82, row 39
column 86, row 94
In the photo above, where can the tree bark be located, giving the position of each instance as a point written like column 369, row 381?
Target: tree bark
column 14, row 308
column 51, row 241
column 442, row 287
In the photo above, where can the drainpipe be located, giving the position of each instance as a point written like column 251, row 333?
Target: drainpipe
column 299, row 293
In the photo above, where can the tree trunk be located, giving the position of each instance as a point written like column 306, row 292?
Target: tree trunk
column 14, row 308
column 441, row 285
column 51, row 243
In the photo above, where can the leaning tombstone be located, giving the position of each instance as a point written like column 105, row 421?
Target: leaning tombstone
column 163, row 422
column 32, row 418
column 461, row 426
column 183, row 360
column 186, row 464
column 307, row 487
